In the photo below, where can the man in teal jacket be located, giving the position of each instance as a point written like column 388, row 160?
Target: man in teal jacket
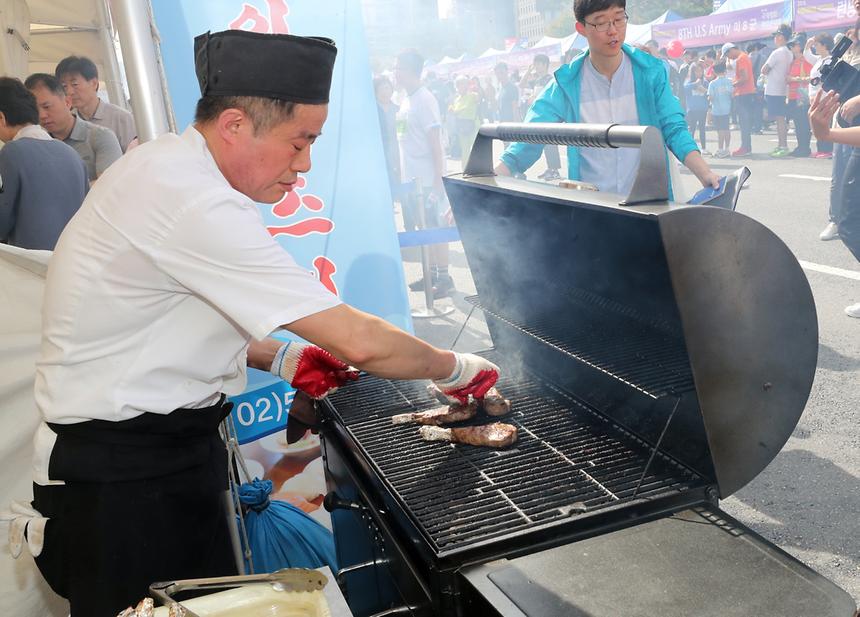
column 610, row 83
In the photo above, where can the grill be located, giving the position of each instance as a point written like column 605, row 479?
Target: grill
column 648, row 376
column 644, row 355
column 568, row 461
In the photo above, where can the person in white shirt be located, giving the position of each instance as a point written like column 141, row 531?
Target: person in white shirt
column 419, row 131
column 775, row 70
column 80, row 79
column 162, row 288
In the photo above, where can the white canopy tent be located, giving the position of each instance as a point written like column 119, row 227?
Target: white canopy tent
column 43, row 32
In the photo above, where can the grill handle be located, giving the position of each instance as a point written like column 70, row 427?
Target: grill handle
column 332, row 501
column 651, row 183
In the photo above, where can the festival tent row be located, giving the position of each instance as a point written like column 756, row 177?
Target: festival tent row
column 553, row 47
column 735, row 20
column 746, row 20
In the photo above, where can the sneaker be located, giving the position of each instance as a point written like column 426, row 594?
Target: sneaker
column 722, row 154
column 543, row 175
column 705, row 152
column 831, row 232
column 741, row 152
column 823, row 155
column 798, row 153
column 853, row 310
column 779, row 152
column 443, row 287
column 419, row 284
column 549, row 175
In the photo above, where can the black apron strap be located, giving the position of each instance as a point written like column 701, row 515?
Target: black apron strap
column 147, row 446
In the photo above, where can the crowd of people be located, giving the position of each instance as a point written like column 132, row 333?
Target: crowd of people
column 59, row 137
column 692, row 92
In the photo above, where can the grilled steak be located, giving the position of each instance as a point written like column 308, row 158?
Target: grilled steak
column 495, row 435
column 495, row 404
column 439, row 415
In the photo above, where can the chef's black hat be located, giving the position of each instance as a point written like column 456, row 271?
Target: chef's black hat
column 277, row 66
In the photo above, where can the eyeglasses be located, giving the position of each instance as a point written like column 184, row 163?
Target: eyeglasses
column 604, row 25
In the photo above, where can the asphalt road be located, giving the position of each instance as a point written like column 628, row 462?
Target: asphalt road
column 808, row 500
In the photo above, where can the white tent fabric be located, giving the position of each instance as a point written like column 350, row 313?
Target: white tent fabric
column 547, row 41
column 574, row 41
column 15, row 29
column 23, row 591
column 641, row 33
column 737, row 5
column 54, row 29
column 492, row 52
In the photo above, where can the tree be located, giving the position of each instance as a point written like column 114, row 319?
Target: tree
column 643, row 11
column 561, row 26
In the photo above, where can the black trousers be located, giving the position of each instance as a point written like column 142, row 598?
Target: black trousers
column 154, row 513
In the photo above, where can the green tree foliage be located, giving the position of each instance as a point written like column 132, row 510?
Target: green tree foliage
column 640, row 11
column 643, row 11
column 561, row 26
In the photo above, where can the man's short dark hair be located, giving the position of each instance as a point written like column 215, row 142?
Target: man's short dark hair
column 720, row 67
column 584, row 8
column 412, row 61
column 711, row 53
column 17, row 103
column 77, row 64
column 265, row 113
column 541, row 59
column 45, row 81
column 501, row 66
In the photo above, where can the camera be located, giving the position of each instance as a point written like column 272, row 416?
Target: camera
column 838, row 75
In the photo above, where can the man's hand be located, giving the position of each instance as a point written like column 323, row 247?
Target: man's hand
column 695, row 163
column 472, row 375
column 502, row 170
column 821, row 113
column 850, row 109
column 311, row 369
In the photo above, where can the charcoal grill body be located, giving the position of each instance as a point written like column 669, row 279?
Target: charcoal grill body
column 649, row 377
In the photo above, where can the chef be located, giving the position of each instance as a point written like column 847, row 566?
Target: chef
column 162, row 289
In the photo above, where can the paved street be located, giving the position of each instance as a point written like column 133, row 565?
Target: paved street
column 808, row 500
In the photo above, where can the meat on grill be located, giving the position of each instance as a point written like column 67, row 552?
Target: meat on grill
column 495, row 404
column 439, row 415
column 436, row 393
column 495, row 435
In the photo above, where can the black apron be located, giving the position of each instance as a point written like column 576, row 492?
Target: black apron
column 142, row 502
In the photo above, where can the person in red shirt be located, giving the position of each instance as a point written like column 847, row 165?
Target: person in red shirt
column 743, row 91
column 798, row 98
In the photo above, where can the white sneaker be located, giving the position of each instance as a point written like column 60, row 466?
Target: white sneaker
column 853, row 310
column 831, row 232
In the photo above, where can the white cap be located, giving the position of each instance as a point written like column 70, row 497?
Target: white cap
column 726, row 48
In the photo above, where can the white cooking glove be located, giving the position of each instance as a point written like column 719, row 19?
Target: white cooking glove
column 472, row 375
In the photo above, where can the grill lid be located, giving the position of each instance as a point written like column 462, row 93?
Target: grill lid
column 636, row 308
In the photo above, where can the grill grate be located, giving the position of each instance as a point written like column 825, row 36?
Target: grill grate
column 647, row 356
column 566, row 460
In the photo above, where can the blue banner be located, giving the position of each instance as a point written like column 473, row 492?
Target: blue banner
column 339, row 220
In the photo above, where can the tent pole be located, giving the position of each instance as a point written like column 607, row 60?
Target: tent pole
column 113, row 78
column 132, row 19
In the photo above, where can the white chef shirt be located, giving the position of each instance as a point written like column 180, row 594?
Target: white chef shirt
column 604, row 101
column 156, row 287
